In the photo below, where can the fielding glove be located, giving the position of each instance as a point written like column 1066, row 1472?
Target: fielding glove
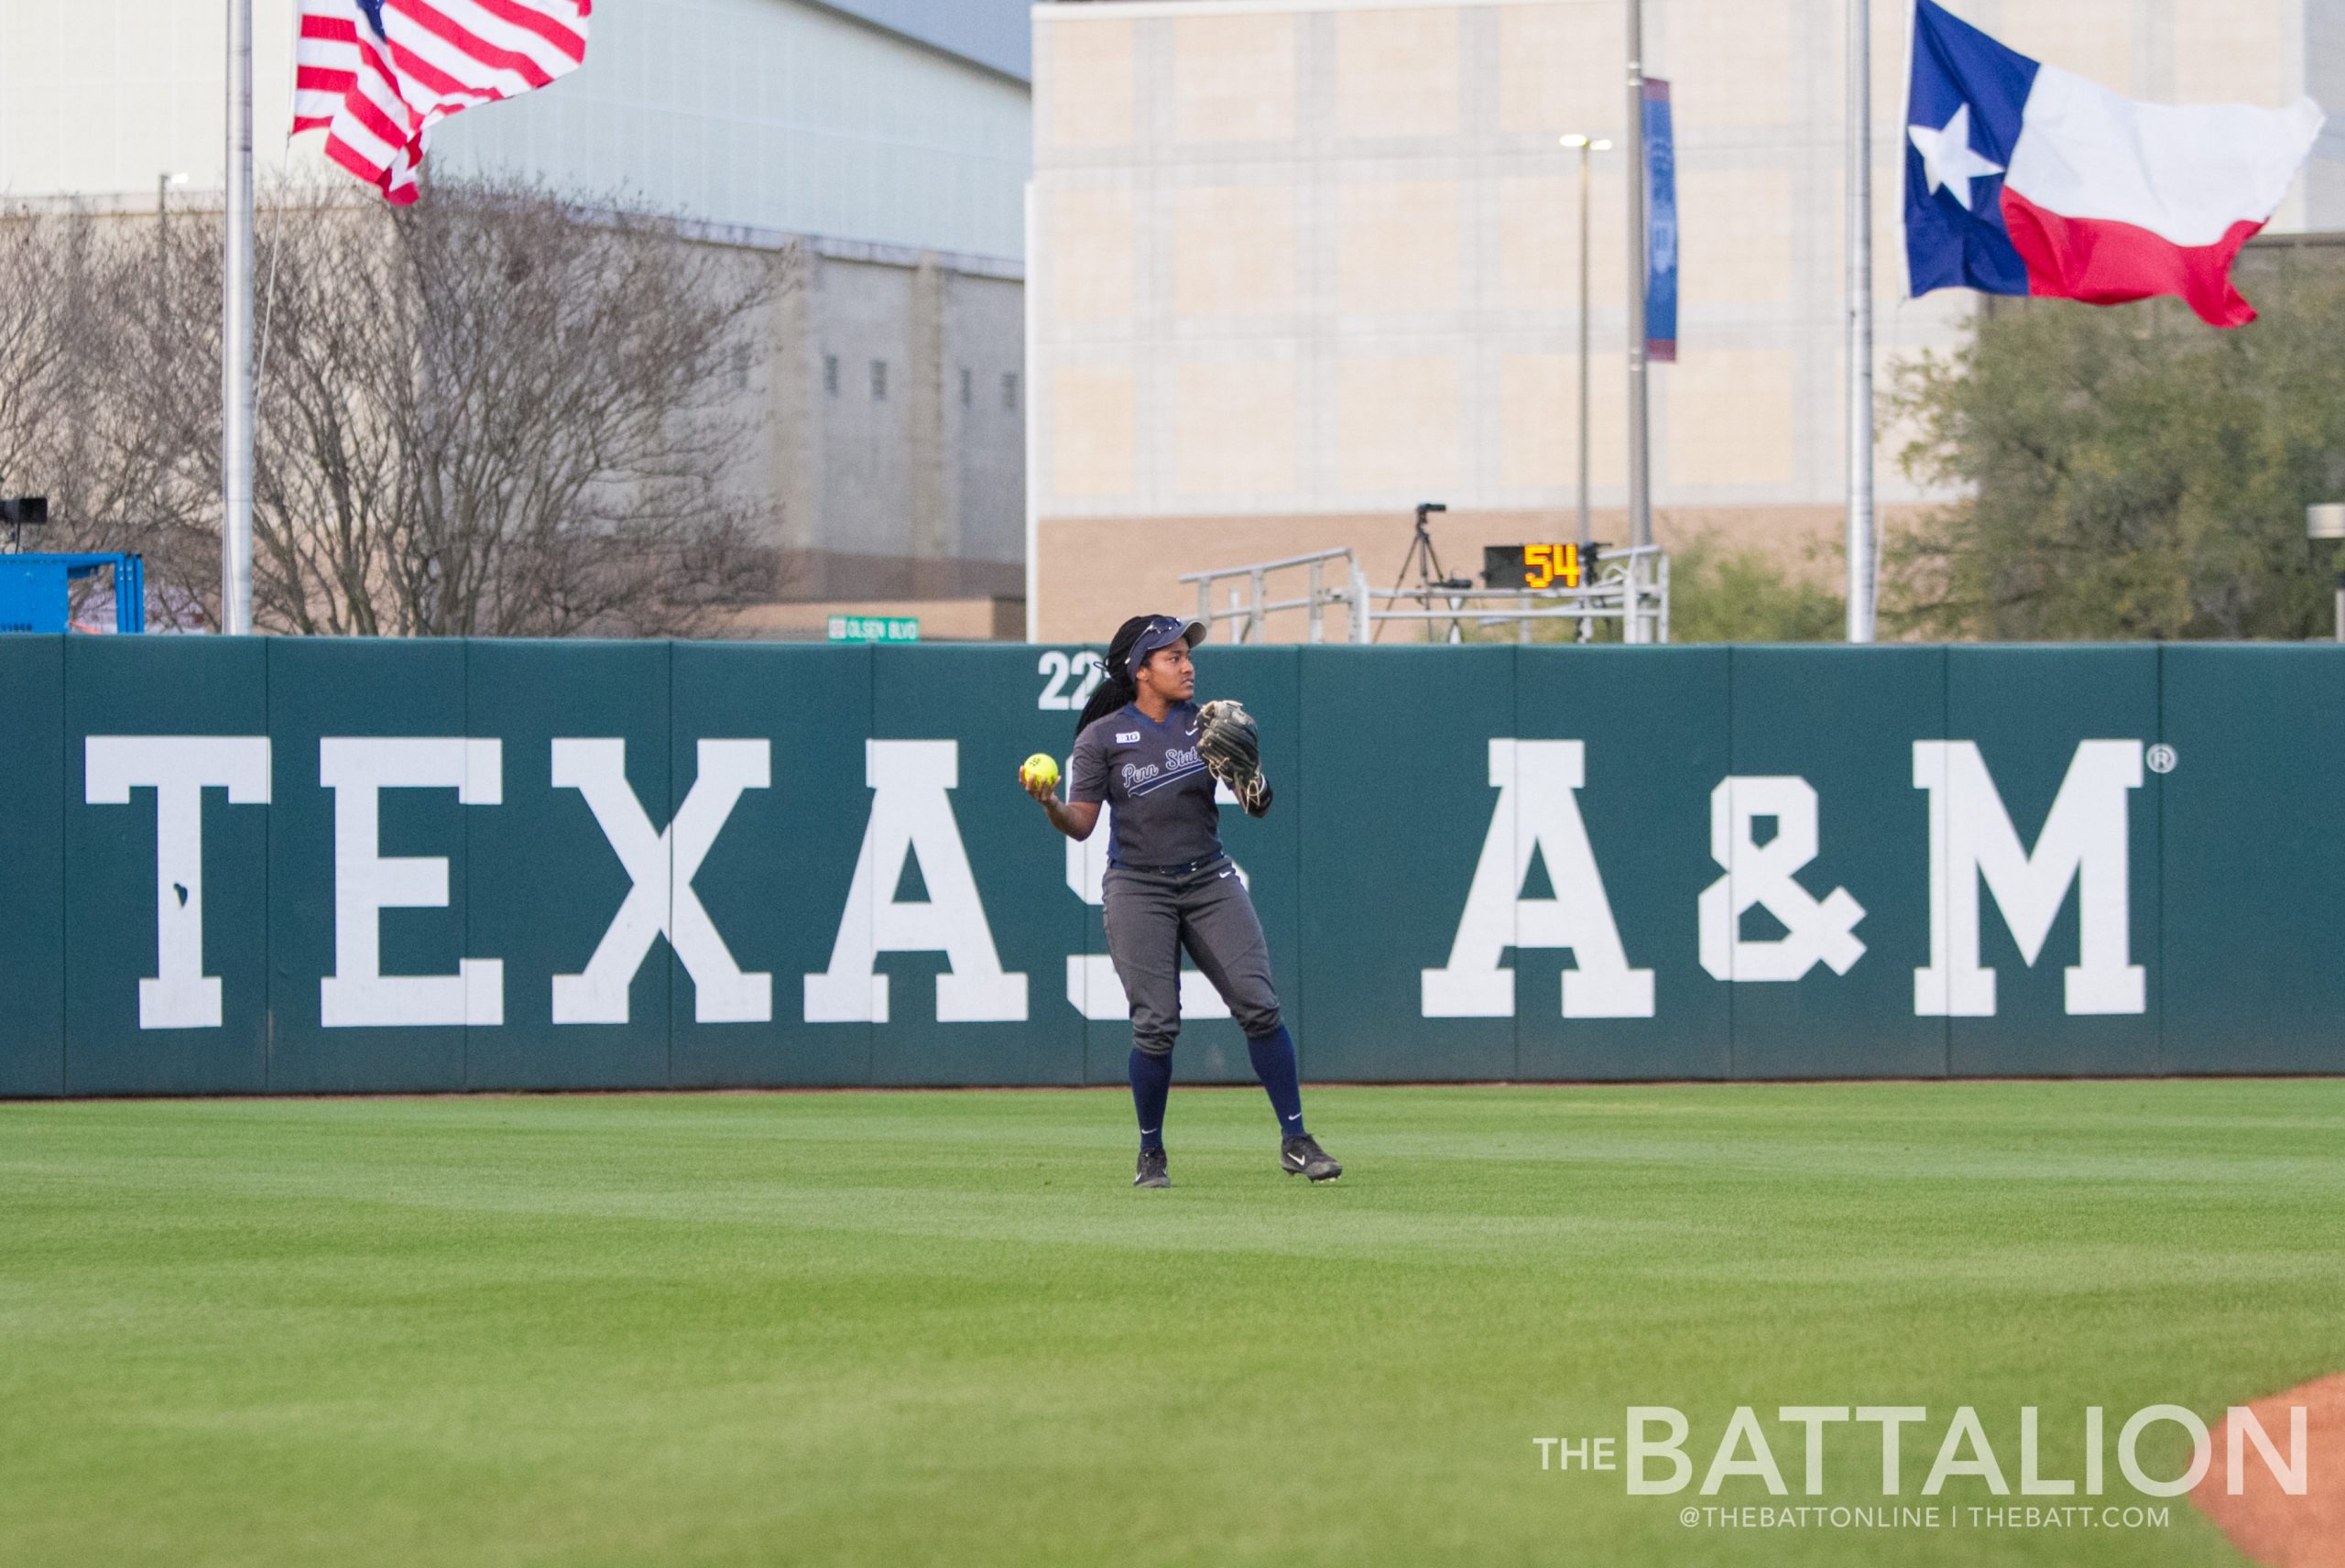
column 1233, row 753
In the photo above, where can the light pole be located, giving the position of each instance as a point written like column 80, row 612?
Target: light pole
column 236, row 337
column 1584, row 145
column 1640, row 261
column 1863, row 544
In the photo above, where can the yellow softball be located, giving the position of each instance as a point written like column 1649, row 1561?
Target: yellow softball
column 1039, row 768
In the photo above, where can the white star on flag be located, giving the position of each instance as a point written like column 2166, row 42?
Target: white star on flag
column 1946, row 156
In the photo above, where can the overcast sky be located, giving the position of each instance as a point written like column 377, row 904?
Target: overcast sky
column 998, row 32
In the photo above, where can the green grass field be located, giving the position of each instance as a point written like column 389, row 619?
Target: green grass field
column 940, row 1327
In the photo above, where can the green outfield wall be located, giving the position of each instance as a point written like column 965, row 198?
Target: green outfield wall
column 314, row 866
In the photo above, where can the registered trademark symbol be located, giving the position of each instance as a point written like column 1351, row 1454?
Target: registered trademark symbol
column 2161, row 758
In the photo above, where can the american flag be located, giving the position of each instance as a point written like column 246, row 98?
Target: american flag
column 374, row 75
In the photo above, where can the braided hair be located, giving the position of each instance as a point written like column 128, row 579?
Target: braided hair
column 1117, row 687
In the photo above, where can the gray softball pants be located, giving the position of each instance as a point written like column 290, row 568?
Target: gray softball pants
column 1151, row 916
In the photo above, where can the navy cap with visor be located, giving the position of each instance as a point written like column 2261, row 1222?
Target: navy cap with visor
column 1163, row 631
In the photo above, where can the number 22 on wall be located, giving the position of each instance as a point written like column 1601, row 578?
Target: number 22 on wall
column 1081, row 668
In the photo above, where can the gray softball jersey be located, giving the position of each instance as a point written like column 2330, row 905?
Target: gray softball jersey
column 1151, row 774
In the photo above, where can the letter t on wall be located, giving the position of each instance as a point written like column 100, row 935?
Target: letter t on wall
column 179, row 769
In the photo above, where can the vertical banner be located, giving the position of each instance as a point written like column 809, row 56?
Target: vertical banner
column 1661, row 225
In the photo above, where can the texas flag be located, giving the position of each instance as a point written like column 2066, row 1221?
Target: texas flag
column 2022, row 179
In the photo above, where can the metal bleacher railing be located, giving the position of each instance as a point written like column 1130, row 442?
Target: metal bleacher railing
column 1631, row 586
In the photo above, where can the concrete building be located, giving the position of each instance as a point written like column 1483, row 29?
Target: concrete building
column 1301, row 263
column 884, row 145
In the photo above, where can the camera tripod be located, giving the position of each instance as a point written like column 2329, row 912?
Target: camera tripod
column 1433, row 581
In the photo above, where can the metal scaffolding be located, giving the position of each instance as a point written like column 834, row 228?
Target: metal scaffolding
column 1631, row 586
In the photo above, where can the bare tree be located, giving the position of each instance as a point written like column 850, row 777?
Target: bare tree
column 498, row 413
column 40, row 316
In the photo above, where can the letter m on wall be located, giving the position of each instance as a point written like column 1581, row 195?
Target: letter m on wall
column 2083, row 845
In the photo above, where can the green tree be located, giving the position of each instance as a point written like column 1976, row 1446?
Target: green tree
column 2129, row 472
column 1717, row 593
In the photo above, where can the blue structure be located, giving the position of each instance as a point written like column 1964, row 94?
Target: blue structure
column 36, row 595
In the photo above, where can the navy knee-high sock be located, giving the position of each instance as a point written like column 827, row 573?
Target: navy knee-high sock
column 1273, row 1057
column 1152, row 1086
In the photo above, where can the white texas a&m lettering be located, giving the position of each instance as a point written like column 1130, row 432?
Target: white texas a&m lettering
column 367, row 881
column 2083, row 844
column 661, row 865
column 179, row 769
column 1537, row 812
column 911, row 813
column 1818, row 931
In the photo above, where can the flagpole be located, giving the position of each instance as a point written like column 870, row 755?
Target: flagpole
column 236, row 337
column 1862, row 544
column 1640, row 473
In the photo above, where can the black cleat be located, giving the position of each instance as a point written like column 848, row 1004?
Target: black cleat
column 1151, row 1171
column 1303, row 1157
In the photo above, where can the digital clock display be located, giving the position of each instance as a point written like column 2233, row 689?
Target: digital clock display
column 1534, row 566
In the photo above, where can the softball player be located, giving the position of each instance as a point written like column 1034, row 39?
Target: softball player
column 1143, row 747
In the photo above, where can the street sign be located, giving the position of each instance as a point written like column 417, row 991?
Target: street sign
column 875, row 628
